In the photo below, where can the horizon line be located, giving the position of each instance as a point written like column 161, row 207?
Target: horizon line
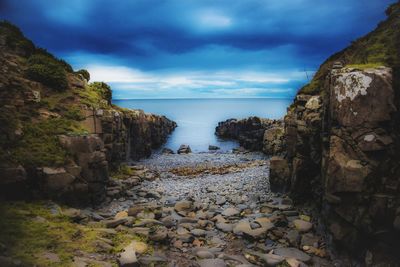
column 202, row 98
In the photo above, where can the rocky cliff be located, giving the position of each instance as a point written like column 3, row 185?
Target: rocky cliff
column 343, row 140
column 254, row 133
column 60, row 135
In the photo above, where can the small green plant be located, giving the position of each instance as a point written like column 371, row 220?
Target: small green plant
column 123, row 171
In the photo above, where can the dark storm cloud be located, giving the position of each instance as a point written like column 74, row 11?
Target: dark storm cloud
column 178, row 35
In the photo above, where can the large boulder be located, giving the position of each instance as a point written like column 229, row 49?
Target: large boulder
column 184, row 149
column 273, row 141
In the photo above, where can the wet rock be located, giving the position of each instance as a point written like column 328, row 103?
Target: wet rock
column 302, row 226
column 128, row 257
column 166, row 151
column 244, row 227
column 211, row 263
column 295, row 263
column 184, row 149
column 152, row 260
column 230, row 212
column 133, row 211
column 293, row 237
column 114, row 223
column 139, row 247
column 225, row 227
column 147, row 222
column 213, row 148
column 198, row 232
column 121, row 215
column 271, row 259
column 309, row 239
column 160, row 234
column 182, row 231
column 73, row 214
column 183, row 205
column 292, row 253
column 205, row 254
column 168, row 221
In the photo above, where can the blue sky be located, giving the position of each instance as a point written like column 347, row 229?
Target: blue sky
column 193, row 48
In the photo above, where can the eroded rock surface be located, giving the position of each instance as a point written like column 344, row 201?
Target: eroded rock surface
column 342, row 149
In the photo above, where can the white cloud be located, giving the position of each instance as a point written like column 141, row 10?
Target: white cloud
column 125, row 80
column 117, row 74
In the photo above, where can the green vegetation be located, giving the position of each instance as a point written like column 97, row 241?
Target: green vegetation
column 96, row 95
column 364, row 66
column 84, row 73
column 74, row 113
column 48, row 71
column 123, row 171
column 42, row 66
column 311, row 88
column 381, row 47
column 31, row 229
column 14, row 38
column 40, row 146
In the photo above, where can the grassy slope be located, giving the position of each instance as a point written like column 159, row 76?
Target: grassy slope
column 380, row 47
column 38, row 145
column 28, row 230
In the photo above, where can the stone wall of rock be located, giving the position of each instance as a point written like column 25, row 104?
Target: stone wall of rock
column 343, row 154
column 77, row 125
column 128, row 134
column 254, row 133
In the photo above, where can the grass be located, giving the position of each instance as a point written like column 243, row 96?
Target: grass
column 381, row 47
column 365, row 66
column 27, row 237
column 122, row 172
column 40, row 146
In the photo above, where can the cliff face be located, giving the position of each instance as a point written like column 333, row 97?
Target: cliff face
column 343, row 140
column 254, row 133
column 59, row 135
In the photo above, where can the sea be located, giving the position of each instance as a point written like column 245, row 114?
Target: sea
column 197, row 118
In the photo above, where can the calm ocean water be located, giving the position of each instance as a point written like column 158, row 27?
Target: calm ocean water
column 197, row 118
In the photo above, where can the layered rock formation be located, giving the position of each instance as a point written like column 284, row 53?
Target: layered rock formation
column 343, row 140
column 59, row 135
column 254, row 133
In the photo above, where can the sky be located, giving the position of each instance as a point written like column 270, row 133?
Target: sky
column 196, row 48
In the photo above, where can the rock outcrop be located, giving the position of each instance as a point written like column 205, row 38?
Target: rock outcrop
column 60, row 135
column 254, row 133
column 342, row 141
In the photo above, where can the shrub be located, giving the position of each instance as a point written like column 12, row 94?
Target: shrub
column 62, row 63
column 97, row 95
column 74, row 113
column 103, row 89
column 46, row 70
column 84, row 73
column 15, row 39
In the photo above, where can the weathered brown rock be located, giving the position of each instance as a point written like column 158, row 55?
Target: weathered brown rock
column 250, row 132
